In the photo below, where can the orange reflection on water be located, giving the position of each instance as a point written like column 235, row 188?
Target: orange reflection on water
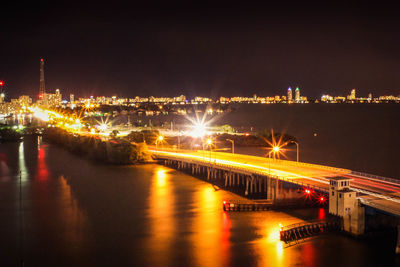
column 42, row 171
column 74, row 226
column 211, row 230
column 270, row 248
column 321, row 213
column 162, row 220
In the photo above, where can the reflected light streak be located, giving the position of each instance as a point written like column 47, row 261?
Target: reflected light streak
column 211, row 229
column 4, row 169
column 161, row 213
column 22, row 164
column 74, row 227
column 321, row 214
column 42, row 171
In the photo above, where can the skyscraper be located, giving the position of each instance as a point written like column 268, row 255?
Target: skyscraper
column 42, row 90
column 297, row 95
column 353, row 94
column 289, row 95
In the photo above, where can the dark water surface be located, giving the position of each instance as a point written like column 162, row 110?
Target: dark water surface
column 80, row 213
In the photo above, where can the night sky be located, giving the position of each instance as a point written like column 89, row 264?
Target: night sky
column 209, row 49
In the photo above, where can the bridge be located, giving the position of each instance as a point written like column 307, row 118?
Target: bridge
column 261, row 176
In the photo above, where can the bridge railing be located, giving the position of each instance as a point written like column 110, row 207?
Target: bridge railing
column 378, row 206
column 280, row 161
column 290, row 226
column 376, row 177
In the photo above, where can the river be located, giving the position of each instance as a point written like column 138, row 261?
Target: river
column 75, row 212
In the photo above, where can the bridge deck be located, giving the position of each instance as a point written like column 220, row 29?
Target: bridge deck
column 382, row 193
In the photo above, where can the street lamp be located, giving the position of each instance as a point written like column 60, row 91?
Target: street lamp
column 275, row 150
column 233, row 145
column 144, row 139
column 297, row 148
column 209, row 142
column 160, row 138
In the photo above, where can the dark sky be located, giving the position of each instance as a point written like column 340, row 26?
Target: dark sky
column 201, row 48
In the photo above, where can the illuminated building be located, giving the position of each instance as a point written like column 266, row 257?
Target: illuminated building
column 353, row 94
column 289, row 95
column 297, row 95
column 52, row 100
column 71, row 98
column 24, row 101
column 42, row 90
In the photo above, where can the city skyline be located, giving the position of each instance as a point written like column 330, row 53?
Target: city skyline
column 298, row 98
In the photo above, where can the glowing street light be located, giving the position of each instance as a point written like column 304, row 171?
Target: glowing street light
column 297, row 149
column 276, row 149
column 160, row 138
column 233, row 145
column 209, row 141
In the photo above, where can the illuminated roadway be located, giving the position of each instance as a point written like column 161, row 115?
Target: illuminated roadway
column 378, row 192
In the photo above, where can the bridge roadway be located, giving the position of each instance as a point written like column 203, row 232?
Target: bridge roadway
column 378, row 192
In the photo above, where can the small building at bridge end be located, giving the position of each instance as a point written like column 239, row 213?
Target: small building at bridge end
column 343, row 202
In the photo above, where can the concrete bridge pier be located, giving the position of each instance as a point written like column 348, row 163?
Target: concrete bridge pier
column 271, row 184
column 398, row 240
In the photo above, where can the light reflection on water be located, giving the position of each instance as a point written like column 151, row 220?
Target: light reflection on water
column 161, row 218
column 210, row 228
column 78, row 212
column 22, row 165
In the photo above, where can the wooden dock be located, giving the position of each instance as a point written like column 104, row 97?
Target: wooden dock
column 246, row 206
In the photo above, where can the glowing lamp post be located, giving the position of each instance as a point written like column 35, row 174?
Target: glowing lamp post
column 297, row 149
column 275, row 150
column 233, row 145
column 209, row 142
column 160, row 138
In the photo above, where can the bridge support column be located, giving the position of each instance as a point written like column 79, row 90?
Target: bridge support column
column 398, row 240
column 251, row 178
column 265, row 184
column 268, row 187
